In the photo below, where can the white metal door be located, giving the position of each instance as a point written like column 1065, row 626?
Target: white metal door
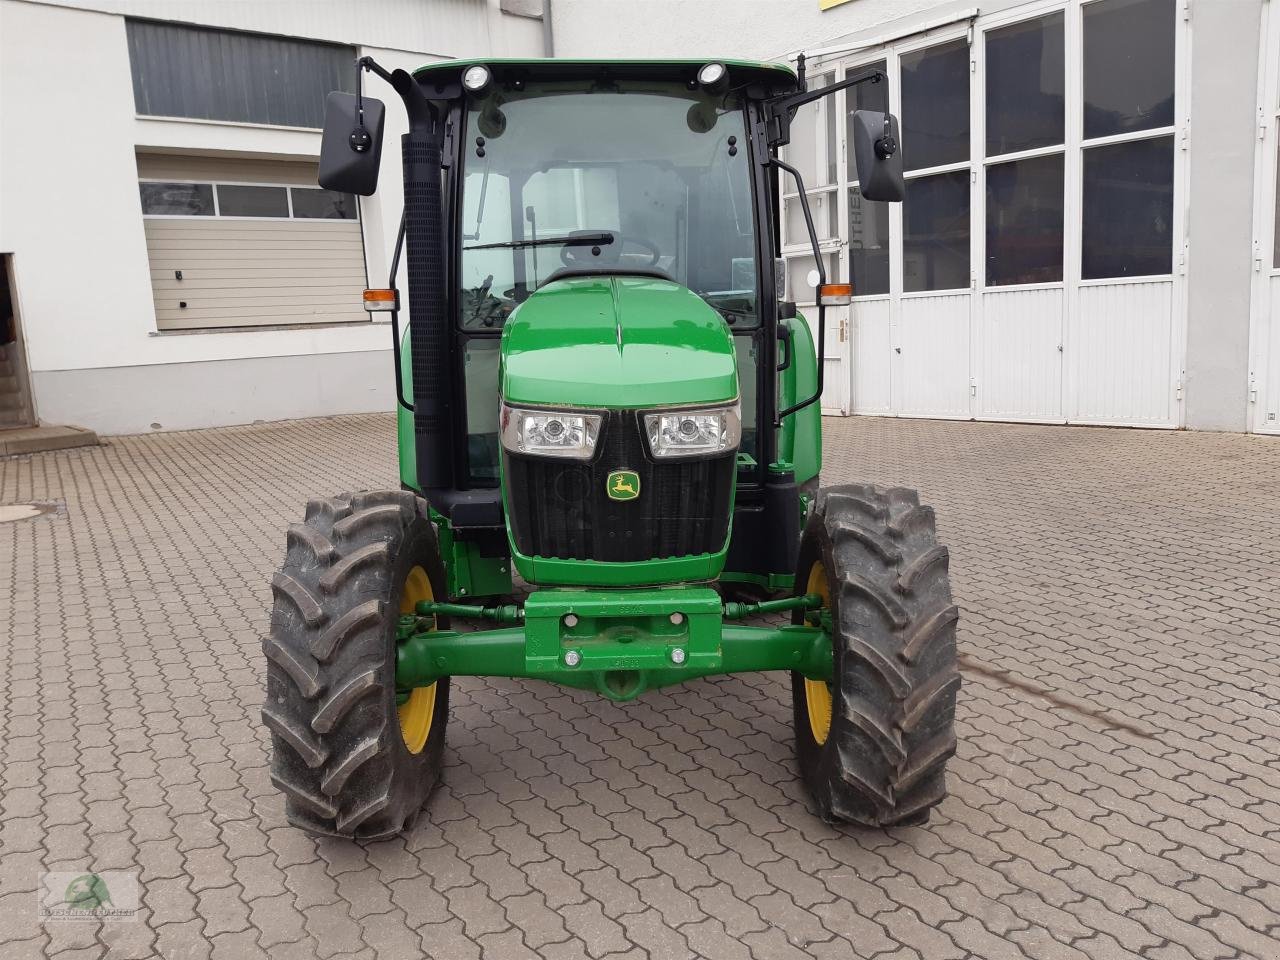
column 1020, row 226
column 868, row 234
column 911, row 263
column 1264, row 352
column 1127, row 138
column 933, row 280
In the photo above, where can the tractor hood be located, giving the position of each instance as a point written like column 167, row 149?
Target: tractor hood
column 617, row 341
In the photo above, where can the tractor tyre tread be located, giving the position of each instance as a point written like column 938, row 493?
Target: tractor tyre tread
column 894, row 637
column 338, row 755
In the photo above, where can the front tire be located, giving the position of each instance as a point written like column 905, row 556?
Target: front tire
column 873, row 745
column 351, row 760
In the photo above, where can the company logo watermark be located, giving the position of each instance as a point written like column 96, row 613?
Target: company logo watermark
column 76, row 896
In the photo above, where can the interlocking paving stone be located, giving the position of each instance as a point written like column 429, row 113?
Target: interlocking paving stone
column 1116, row 791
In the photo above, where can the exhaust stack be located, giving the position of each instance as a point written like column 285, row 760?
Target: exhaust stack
column 426, row 258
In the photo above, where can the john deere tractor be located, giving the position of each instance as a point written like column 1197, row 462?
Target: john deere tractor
column 604, row 389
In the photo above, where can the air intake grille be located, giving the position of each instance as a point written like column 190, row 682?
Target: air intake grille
column 559, row 508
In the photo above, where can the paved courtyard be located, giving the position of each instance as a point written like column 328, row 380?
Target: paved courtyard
column 1116, row 791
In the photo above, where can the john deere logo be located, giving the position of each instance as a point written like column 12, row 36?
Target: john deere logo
column 623, row 485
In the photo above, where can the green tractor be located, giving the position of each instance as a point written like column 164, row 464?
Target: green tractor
column 603, row 389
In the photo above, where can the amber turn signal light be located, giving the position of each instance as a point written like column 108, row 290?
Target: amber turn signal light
column 375, row 300
column 835, row 294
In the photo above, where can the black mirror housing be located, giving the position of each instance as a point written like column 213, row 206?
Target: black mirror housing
column 351, row 151
column 878, row 154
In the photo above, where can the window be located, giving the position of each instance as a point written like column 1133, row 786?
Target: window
column 1128, row 66
column 1025, row 81
column 1127, row 186
column 799, row 273
column 864, row 96
column 935, row 240
column 1025, row 112
column 237, row 200
column 868, row 245
column 314, row 203
column 1275, row 252
column 177, row 199
column 935, row 133
column 814, row 148
column 674, row 194
column 172, row 199
column 935, row 106
column 1024, row 221
column 1128, row 209
column 185, row 71
column 814, row 151
column 868, row 220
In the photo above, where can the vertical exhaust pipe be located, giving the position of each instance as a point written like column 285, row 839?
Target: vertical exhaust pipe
column 425, row 254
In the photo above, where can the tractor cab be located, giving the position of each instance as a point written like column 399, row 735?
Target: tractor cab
column 610, row 253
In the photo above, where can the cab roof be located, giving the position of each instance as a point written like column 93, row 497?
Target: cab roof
column 775, row 78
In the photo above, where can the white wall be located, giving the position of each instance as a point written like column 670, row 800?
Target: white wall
column 1224, row 50
column 733, row 29
column 70, row 212
column 445, row 28
column 69, row 206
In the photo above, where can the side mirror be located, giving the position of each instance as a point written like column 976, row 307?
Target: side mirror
column 351, row 146
column 877, row 152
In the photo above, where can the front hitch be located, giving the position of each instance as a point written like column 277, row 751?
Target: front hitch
column 620, row 644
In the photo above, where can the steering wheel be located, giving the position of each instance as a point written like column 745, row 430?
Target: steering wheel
column 572, row 255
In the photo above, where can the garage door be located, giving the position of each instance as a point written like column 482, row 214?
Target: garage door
column 240, row 243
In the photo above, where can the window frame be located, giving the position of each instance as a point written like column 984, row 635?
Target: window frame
column 1071, row 73
column 1175, row 131
column 217, row 211
column 925, row 41
column 140, row 31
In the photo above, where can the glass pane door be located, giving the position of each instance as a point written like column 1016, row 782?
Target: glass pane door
column 1123, row 337
column 1022, row 301
column 932, row 298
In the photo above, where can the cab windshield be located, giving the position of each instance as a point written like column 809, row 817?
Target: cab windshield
column 605, row 176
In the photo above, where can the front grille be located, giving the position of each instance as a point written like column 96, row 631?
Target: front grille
column 559, row 508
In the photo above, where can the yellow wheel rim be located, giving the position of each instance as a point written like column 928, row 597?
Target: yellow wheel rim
column 817, row 693
column 417, row 712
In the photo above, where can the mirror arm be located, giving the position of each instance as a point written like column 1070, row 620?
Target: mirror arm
column 822, row 279
column 780, row 110
column 416, row 103
column 360, row 139
column 372, row 65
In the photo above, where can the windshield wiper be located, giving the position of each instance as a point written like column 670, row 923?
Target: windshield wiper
column 573, row 240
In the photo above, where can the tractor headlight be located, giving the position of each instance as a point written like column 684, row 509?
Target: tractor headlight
column 550, row 433
column 691, row 433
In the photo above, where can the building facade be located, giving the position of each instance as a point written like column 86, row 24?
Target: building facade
column 1089, row 234
column 167, row 255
